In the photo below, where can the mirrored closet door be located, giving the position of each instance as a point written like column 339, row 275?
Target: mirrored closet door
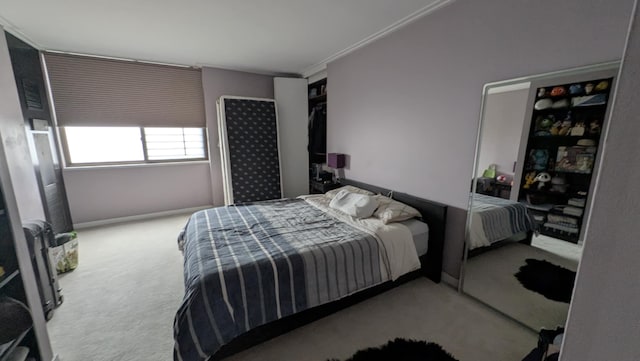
column 534, row 174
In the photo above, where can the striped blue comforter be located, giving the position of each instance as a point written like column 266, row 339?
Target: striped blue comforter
column 495, row 219
column 248, row 265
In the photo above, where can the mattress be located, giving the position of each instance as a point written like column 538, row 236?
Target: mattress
column 420, row 233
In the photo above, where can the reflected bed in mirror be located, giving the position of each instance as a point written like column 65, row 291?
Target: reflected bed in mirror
column 534, row 174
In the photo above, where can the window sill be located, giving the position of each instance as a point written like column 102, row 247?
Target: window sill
column 130, row 166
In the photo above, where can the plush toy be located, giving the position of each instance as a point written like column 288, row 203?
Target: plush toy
column 565, row 127
column 578, row 130
column 542, row 179
column 555, row 129
column 529, row 179
column 543, row 125
column 594, row 127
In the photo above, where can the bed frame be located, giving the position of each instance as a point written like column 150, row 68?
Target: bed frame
column 435, row 214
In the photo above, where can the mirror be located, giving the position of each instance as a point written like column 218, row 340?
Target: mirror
column 534, row 174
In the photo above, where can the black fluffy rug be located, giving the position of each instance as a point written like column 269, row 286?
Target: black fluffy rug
column 550, row 280
column 403, row 350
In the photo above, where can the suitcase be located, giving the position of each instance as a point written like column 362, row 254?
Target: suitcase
column 39, row 235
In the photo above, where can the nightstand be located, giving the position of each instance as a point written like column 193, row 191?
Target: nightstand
column 316, row 187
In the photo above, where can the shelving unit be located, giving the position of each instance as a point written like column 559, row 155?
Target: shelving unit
column 11, row 285
column 562, row 146
column 317, row 100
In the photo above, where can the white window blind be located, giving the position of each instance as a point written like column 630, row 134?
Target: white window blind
column 89, row 91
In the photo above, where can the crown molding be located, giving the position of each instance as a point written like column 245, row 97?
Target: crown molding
column 322, row 65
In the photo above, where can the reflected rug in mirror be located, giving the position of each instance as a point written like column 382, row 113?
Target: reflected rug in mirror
column 550, row 280
column 405, row 350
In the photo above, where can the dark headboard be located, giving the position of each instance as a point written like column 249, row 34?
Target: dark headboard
column 433, row 213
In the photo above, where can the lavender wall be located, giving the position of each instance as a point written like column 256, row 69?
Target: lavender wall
column 405, row 108
column 218, row 82
column 604, row 322
column 102, row 193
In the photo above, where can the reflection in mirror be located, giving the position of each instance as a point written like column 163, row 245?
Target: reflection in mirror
column 535, row 169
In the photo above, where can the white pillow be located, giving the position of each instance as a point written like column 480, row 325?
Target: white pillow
column 332, row 193
column 354, row 204
column 390, row 211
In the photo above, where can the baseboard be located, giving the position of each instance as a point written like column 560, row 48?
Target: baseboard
column 141, row 217
column 450, row 280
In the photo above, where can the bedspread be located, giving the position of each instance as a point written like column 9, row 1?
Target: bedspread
column 494, row 219
column 251, row 264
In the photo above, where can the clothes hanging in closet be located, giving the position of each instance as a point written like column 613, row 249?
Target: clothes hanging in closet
column 318, row 133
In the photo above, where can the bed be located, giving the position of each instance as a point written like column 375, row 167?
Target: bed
column 494, row 220
column 256, row 270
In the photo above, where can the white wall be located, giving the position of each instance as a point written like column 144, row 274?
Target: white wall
column 101, row 193
column 405, row 108
column 604, row 319
column 292, row 104
column 502, row 130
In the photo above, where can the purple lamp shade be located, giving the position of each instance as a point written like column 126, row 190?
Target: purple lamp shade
column 336, row 160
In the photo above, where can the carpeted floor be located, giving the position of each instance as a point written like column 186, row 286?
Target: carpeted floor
column 490, row 278
column 120, row 302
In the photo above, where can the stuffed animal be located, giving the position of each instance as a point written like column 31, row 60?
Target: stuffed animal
column 542, row 179
column 578, row 130
column 529, row 179
column 594, row 127
column 565, row 127
column 555, row 129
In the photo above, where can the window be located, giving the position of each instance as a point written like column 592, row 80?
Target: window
column 116, row 145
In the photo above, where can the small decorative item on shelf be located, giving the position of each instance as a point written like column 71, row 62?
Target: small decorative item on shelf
column 543, row 104
column 588, row 88
column 529, row 179
column 542, row 179
column 565, row 127
column 577, row 130
column 538, row 159
column 576, row 159
column 576, row 89
column 558, row 91
column 558, row 184
column 543, row 125
column 313, row 92
column 603, row 85
column 542, row 92
column 589, row 100
column 594, row 127
column 562, row 103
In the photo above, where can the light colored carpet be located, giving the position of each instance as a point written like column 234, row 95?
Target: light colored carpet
column 120, row 301
column 119, row 305
column 490, row 278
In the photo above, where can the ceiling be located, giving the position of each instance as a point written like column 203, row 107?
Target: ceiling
column 274, row 36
